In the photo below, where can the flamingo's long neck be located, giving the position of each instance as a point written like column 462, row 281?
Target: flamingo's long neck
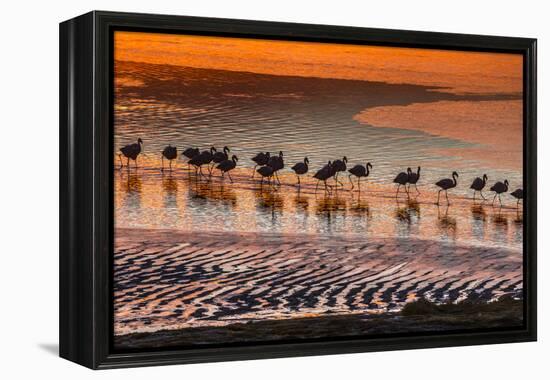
column 418, row 172
column 367, row 170
column 454, row 179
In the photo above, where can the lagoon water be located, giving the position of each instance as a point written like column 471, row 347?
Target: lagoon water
column 323, row 119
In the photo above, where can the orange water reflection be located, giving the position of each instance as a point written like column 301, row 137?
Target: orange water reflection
column 145, row 198
column 456, row 71
column 495, row 126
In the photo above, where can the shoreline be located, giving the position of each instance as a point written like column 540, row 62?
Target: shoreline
column 169, row 234
column 504, row 313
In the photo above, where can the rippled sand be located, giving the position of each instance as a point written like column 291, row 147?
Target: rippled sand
column 166, row 279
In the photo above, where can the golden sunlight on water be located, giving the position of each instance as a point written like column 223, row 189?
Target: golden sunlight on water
column 146, row 198
column 457, row 72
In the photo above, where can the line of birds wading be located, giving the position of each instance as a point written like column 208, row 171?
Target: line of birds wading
column 267, row 167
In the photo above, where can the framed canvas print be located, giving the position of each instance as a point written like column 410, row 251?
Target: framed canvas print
column 239, row 189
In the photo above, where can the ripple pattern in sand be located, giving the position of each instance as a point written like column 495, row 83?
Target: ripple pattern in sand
column 166, row 279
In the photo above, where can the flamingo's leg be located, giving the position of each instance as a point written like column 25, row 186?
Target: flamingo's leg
column 162, row 163
column 447, row 196
column 200, row 171
column 494, row 198
column 481, row 192
column 438, row 194
column 254, row 171
column 417, row 191
column 351, row 181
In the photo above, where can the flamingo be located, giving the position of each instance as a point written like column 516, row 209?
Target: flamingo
column 170, row 153
column 131, row 151
column 203, row 158
column 446, row 184
column 260, row 159
column 339, row 166
column 359, row 171
column 219, row 157
column 479, row 185
column 227, row 165
column 265, row 172
column 499, row 188
column 190, row 153
column 276, row 163
column 301, row 168
column 401, row 179
column 518, row 194
column 413, row 179
column 323, row 174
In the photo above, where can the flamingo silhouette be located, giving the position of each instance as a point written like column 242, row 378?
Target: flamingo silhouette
column 413, row 179
column 170, row 153
column 323, row 174
column 190, row 153
column 260, row 159
column 499, row 188
column 301, row 168
column 131, row 151
column 401, row 179
column 478, row 185
column 446, row 184
column 227, row 165
column 276, row 163
column 265, row 172
column 359, row 171
column 518, row 194
column 339, row 166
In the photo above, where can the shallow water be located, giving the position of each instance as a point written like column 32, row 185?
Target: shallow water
column 322, row 119
column 179, row 200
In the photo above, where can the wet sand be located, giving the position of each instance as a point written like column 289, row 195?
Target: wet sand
column 504, row 313
column 168, row 279
column 494, row 127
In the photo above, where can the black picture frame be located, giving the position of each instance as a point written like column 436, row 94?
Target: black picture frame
column 86, row 185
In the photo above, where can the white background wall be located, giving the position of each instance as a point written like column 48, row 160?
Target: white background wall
column 29, row 187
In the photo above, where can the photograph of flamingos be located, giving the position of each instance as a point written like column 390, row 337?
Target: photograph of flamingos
column 272, row 190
